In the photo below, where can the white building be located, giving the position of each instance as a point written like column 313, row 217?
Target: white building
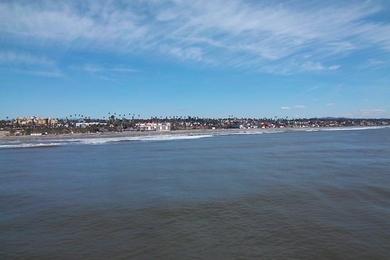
column 84, row 125
column 153, row 126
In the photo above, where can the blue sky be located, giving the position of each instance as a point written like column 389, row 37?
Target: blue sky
column 201, row 58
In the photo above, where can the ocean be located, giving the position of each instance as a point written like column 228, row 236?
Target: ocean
column 282, row 195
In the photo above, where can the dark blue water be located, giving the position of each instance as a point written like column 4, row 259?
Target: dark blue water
column 299, row 195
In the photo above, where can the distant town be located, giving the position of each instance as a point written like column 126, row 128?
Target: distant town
column 36, row 126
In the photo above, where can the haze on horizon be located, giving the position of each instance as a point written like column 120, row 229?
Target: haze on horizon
column 200, row 58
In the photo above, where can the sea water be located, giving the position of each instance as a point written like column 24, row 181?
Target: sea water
column 291, row 195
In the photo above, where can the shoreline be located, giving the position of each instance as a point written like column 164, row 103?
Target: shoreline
column 193, row 132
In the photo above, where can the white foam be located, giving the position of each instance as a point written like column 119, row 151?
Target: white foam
column 103, row 140
column 11, row 142
column 248, row 133
column 275, row 132
column 172, row 137
column 28, row 145
column 353, row 128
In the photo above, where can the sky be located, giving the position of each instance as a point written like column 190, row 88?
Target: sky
column 202, row 58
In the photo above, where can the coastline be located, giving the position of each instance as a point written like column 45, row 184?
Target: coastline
column 190, row 132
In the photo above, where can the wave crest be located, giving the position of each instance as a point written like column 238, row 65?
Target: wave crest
column 28, row 145
column 101, row 140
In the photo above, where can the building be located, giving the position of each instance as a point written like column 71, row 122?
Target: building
column 4, row 133
column 84, row 125
column 153, row 126
column 35, row 121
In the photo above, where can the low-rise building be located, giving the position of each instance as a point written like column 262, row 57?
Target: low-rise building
column 4, row 133
column 153, row 126
column 35, row 121
column 84, row 124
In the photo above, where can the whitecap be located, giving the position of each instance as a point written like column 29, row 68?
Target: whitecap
column 351, row 128
column 28, row 145
column 103, row 140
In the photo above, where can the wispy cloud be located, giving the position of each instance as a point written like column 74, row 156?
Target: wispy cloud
column 45, row 73
column 372, row 112
column 374, row 63
column 369, row 113
column 281, row 37
column 293, row 107
column 104, row 72
column 97, row 68
column 40, row 72
column 12, row 58
column 317, row 66
column 27, row 63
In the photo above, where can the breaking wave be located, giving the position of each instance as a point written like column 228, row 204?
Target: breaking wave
column 101, row 140
column 353, row 128
column 105, row 140
column 28, row 145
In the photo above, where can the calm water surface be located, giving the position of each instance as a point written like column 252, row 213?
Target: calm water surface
column 300, row 195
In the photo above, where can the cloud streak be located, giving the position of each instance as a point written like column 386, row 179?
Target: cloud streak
column 96, row 68
column 26, row 63
column 281, row 37
column 21, row 58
